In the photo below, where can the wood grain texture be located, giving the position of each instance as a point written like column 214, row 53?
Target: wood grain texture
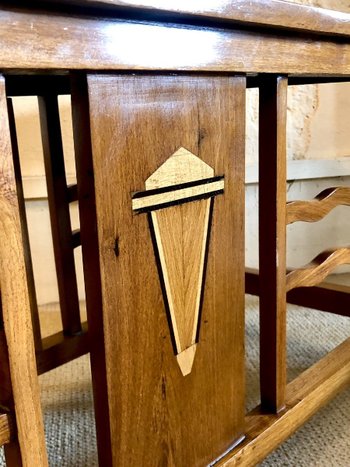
column 318, row 269
column 25, row 233
column 61, row 228
column 44, row 41
column 316, row 209
column 272, row 240
column 136, row 123
column 181, row 236
column 16, row 308
column 272, row 13
column 305, row 395
column 5, row 428
column 59, row 349
column 12, row 450
column 332, row 298
column 91, row 265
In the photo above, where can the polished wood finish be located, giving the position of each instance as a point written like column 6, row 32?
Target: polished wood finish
column 146, row 408
column 271, row 13
column 79, row 44
column 12, row 449
column 58, row 198
column 59, row 349
column 178, row 197
column 305, row 395
column 91, row 264
column 318, row 208
column 25, row 233
column 332, row 298
column 5, row 428
column 159, row 115
column 272, row 240
column 318, row 269
column 14, row 297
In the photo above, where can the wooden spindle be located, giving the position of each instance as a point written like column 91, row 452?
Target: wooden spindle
column 59, row 213
column 272, row 240
column 25, row 234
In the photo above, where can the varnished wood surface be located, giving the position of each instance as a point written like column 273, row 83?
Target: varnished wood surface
column 16, row 308
column 318, row 269
column 61, row 228
column 270, row 13
column 5, row 428
column 25, row 232
column 316, row 209
column 11, row 449
column 137, row 122
column 44, row 41
column 272, row 240
column 332, row 298
column 305, row 395
column 92, row 278
column 180, row 220
column 59, row 349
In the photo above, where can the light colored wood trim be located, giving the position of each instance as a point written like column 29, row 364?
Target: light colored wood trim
column 274, row 13
column 178, row 195
column 185, row 359
column 180, row 167
column 304, row 397
column 201, row 268
column 181, row 234
column 16, row 308
column 5, row 429
column 316, row 209
column 80, row 44
column 318, row 269
column 165, row 272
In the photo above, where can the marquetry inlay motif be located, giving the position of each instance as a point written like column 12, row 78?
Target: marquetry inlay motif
column 179, row 200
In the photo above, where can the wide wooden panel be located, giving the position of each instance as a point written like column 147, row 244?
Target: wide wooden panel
column 158, row 415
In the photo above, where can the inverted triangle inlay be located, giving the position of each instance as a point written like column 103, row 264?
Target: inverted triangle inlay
column 181, row 234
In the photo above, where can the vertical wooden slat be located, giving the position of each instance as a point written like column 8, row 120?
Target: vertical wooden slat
column 58, row 198
column 272, row 240
column 91, row 264
column 16, row 307
column 25, row 234
column 13, row 455
column 12, row 450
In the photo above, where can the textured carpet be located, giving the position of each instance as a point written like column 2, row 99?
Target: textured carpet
column 323, row 441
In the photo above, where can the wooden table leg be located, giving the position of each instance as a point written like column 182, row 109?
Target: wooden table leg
column 16, row 308
column 272, row 240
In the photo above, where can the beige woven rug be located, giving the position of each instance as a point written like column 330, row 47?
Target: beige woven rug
column 323, row 441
